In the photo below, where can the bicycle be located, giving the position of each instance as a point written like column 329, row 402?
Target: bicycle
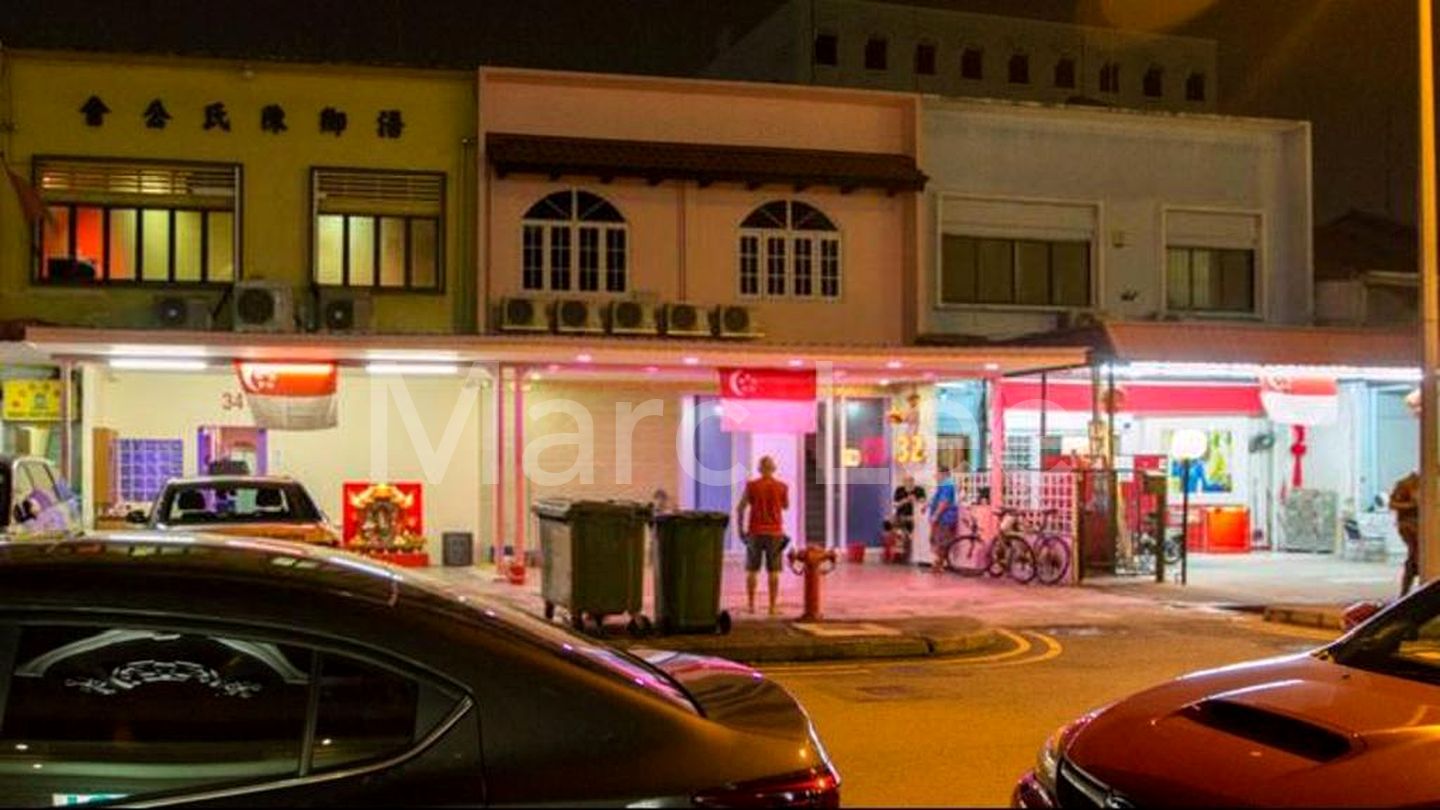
column 1052, row 552
column 967, row 553
column 1145, row 548
column 1009, row 552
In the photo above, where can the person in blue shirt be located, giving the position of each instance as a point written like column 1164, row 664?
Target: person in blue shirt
column 944, row 511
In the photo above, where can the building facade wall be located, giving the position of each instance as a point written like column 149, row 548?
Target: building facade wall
column 781, row 49
column 683, row 240
column 45, row 92
column 1130, row 185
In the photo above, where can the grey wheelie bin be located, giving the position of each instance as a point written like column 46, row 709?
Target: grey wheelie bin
column 689, row 559
column 593, row 560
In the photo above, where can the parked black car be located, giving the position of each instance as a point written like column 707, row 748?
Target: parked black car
column 173, row 669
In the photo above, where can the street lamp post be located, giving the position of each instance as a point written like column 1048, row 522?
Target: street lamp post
column 1187, row 445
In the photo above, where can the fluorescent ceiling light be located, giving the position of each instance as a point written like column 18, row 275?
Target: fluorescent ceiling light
column 151, row 350
column 156, row 364
column 412, row 356
column 418, row 369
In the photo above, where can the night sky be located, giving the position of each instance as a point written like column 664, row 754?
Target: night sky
column 1349, row 66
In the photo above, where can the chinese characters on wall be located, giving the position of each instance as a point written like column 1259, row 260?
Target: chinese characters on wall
column 389, row 124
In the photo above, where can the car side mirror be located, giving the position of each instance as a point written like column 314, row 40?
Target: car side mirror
column 1359, row 613
column 137, row 516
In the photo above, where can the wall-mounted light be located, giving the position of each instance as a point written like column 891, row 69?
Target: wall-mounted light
column 1188, row 444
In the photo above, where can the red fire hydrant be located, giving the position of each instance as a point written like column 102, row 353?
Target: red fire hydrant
column 811, row 562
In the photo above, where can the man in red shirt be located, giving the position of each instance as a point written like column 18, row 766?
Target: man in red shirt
column 766, row 498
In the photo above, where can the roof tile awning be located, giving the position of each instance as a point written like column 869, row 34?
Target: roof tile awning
column 658, row 161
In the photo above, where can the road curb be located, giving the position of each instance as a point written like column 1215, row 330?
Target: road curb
column 908, row 645
column 1327, row 617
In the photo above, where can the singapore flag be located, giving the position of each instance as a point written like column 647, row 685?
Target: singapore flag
column 765, row 400
column 290, row 396
column 1300, row 400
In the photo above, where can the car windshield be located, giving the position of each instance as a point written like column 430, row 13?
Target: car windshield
column 197, row 504
column 571, row 646
column 1403, row 641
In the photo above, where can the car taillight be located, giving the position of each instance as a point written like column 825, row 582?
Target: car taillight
column 816, row 787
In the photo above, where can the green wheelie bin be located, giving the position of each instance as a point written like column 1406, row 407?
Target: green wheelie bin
column 593, row 560
column 689, row 560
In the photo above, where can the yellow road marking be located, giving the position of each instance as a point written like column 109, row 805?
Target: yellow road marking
column 1021, row 640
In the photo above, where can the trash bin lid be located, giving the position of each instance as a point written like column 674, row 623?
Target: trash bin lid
column 720, row 519
column 553, row 508
column 614, row 508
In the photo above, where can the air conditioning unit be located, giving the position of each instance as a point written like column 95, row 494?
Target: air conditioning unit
column 182, row 312
column 685, row 320
column 264, row 306
column 576, row 317
column 1077, row 319
column 734, row 321
column 632, row 318
column 346, row 311
column 522, row 315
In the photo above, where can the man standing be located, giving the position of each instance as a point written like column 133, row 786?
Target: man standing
column 906, row 497
column 944, row 516
column 1405, row 502
column 766, row 498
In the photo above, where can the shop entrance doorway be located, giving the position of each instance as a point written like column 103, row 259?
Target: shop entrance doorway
column 231, row 451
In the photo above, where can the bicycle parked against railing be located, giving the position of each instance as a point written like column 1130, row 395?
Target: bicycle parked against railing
column 1010, row 553
column 969, row 552
column 1052, row 552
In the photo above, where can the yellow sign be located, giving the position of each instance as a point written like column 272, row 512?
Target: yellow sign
column 909, row 449
column 32, row 400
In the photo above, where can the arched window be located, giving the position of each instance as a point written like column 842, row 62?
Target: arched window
column 574, row 240
column 789, row 249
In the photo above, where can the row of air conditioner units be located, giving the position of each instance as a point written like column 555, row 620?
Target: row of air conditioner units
column 578, row 316
column 267, row 306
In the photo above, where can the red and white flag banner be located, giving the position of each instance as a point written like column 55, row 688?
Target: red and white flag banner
column 767, row 383
column 1300, row 400
column 290, row 396
column 767, row 400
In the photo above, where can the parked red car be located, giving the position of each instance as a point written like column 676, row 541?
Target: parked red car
column 1353, row 724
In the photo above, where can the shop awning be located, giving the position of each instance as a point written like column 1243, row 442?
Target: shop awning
column 595, row 356
column 657, row 161
column 1259, row 344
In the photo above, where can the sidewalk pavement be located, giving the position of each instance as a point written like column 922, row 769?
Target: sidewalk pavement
column 873, row 610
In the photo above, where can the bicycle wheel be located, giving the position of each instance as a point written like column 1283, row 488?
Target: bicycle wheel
column 1144, row 555
column 967, row 556
column 1052, row 559
column 1172, row 550
column 1022, row 560
column 1000, row 555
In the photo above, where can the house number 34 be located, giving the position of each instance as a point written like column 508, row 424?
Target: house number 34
column 232, row 401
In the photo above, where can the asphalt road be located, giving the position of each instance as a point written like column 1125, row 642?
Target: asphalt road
column 959, row 731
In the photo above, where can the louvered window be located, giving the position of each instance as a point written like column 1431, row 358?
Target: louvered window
column 379, row 229
column 117, row 221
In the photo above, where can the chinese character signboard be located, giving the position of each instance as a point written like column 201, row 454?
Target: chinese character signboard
column 32, row 400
